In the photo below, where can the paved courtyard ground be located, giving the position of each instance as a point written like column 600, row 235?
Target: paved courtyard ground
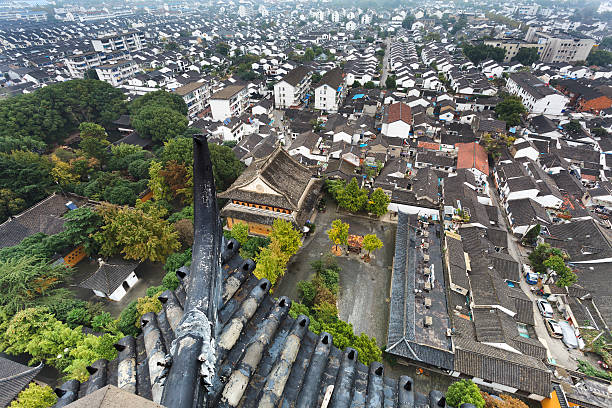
column 364, row 287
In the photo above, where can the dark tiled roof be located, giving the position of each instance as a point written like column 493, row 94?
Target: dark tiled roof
column 279, row 171
column 45, row 217
column 332, row 78
column 14, row 377
column 110, row 275
column 296, row 75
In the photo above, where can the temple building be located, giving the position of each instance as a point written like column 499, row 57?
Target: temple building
column 222, row 340
column 272, row 187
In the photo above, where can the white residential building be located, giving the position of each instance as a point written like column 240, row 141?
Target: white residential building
column 397, row 120
column 130, row 41
column 537, row 97
column 230, row 101
column 330, row 91
column 291, row 90
column 117, row 73
column 195, row 95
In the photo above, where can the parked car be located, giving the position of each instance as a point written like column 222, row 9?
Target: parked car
column 545, row 308
column 554, row 329
column 569, row 335
column 531, row 278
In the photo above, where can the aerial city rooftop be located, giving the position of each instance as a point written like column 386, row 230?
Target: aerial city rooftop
column 309, row 204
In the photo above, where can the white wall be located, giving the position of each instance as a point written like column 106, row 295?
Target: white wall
column 220, row 109
column 396, row 129
column 325, row 98
column 119, row 293
column 284, row 95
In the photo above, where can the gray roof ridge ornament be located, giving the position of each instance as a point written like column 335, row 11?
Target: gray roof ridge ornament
column 192, row 357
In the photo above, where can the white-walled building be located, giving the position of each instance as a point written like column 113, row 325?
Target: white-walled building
column 230, row 101
column 330, row 91
column 537, row 97
column 397, row 120
column 195, row 95
column 291, row 90
column 118, row 73
column 113, row 279
column 130, row 41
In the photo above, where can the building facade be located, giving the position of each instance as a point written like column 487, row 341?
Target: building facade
column 291, row 90
column 230, row 101
column 537, row 97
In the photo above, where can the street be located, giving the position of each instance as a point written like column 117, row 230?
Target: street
column 556, row 351
column 385, row 70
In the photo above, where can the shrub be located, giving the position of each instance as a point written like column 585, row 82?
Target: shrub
column 79, row 316
column 307, row 291
column 103, row 322
column 464, row 391
column 128, row 320
column 170, row 281
column 35, row 396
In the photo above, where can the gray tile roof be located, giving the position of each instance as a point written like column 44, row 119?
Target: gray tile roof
column 109, row 275
column 14, row 377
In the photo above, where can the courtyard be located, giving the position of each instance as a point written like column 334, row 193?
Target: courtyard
column 364, row 287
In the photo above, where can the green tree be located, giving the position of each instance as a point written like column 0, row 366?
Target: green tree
column 510, row 110
column 371, row 243
column 390, row 82
column 157, row 183
column 601, row 58
column 338, row 233
column 93, row 141
column 532, row 235
column 408, row 21
column 35, row 396
column 542, row 252
column 288, row 238
column 48, row 115
column 271, row 263
column 565, row 276
column 91, row 74
column 369, row 85
column 353, row 198
column 179, row 149
column 24, row 280
column 27, row 175
column 10, row 204
column 226, row 166
column 606, row 43
column 599, row 131
column 240, row 232
column 464, row 391
column 527, row 55
column 80, row 226
column 378, row 203
column 136, row 234
column 159, row 98
column 159, row 123
column 480, row 52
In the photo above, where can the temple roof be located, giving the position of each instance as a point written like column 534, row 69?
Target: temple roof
column 277, row 180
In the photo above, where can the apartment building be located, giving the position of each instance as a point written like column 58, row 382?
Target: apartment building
column 130, row 41
column 117, row 73
column 512, row 47
column 560, row 47
column 230, row 101
column 195, row 95
column 330, row 91
column 537, row 97
column 291, row 90
column 78, row 64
